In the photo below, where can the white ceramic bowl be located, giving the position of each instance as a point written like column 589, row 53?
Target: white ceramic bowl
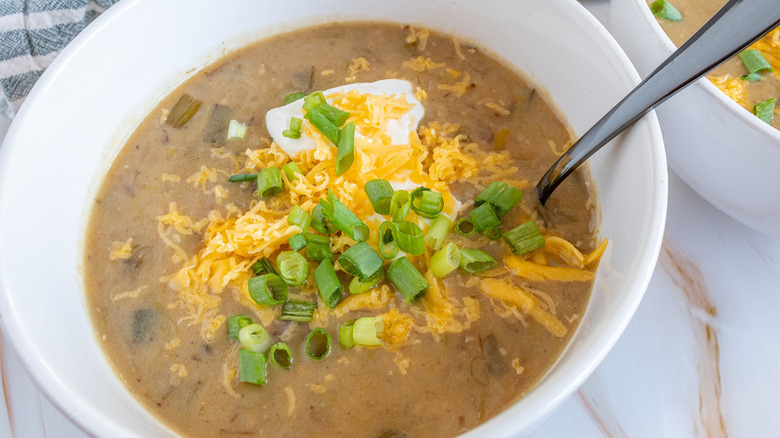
column 101, row 86
column 729, row 156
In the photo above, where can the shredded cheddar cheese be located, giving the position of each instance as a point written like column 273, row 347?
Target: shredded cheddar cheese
column 121, row 250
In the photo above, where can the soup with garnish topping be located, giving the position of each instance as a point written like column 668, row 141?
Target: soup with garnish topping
column 333, row 232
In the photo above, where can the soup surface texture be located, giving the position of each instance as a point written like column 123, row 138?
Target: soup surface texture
column 730, row 76
column 172, row 243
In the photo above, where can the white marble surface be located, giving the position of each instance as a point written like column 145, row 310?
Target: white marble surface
column 699, row 359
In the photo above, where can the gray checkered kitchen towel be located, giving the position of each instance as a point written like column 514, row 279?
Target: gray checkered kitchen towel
column 32, row 34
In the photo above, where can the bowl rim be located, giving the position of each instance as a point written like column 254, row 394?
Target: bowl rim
column 732, row 106
column 82, row 413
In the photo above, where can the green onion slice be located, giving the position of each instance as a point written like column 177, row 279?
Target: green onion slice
column 474, row 261
column 292, row 97
column 268, row 290
column 366, row 331
column 426, row 202
column 297, row 242
column 182, row 112
column 346, row 340
column 290, row 169
column 236, row 130
column 409, row 237
column 501, row 196
column 665, row 10
column 254, row 338
column 264, row 266
column 751, row 77
column 465, row 227
column 358, row 286
column 327, row 128
column 493, row 233
column 293, row 267
column 298, row 310
column 407, row 279
column 269, row 182
column 361, row 261
column 235, row 323
column 251, row 367
column 342, row 218
column 484, row 218
column 437, row 232
column 445, row 260
column 524, row 238
column 335, row 115
column 754, row 61
column 317, row 246
column 345, row 155
column 328, row 283
column 388, row 246
column 300, row 217
column 379, row 192
column 318, row 344
column 312, row 100
column 280, row 355
column 765, row 110
column 295, row 128
column 241, row 177
column 400, row 205
column 320, row 223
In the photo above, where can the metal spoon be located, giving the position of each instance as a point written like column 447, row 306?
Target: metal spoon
column 737, row 25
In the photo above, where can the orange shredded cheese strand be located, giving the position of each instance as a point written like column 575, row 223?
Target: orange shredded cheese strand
column 515, row 296
column 533, row 271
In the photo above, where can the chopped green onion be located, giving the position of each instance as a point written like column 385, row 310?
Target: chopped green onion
column 328, row 283
column 298, row 310
column 320, row 223
column 297, row 242
column 280, row 355
column 325, row 126
column 346, row 340
column 664, row 9
column 754, row 61
column 335, row 115
column 765, row 110
column 484, row 218
column 236, row 130
column 182, row 112
column 251, row 367
column 264, row 266
column 465, row 227
column 345, row 155
column 501, row 196
column 317, row 246
column 343, row 219
column 426, row 203
column 407, row 279
column 379, row 192
column 360, row 260
column 493, row 233
column 241, row 177
column 388, row 246
column 295, row 128
column 409, row 237
column 269, row 182
column 268, row 289
column 293, row 267
column 751, row 77
column 312, row 100
column 400, row 205
column 445, row 260
column 358, row 285
column 292, row 97
column 300, row 217
column 318, row 343
column 235, row 323
column 366, row 331
column 290, row 169
column 524, row 238
column 437, row 232
column 254, row 338
column 474, row 261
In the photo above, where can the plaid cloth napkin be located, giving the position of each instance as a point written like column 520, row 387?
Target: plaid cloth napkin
column 32, row 34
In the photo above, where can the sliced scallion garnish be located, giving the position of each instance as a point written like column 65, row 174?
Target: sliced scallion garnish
column 426, row 203
column 313, row 99
column 182, row 112
column 328, row 283
column 664, row 9
column 294, row 131
column 484, row 218
column 300, row 217
column 400, row 205
column 361, row 261
column 268, row 290
column 765, row 110
column 292, row 97
column 342, row 218
column 437, row 232
column 407, row 279
column 346, row 340
column 293, row 267
column 318, row 344
column 241, row 177
column 524, row 238
column 367, row 330
column 345, row 155
column 501, row 196
column 298, row 310
column 251, row 367
column 317, row 246
column 269, row 182
column 290, row 169
column 264, row 266
column 254, row 338
column 335, row 115
column 379, row 192
column 465, row 227
column 327, row 128
column 409, row 237
column 474, row 261
column 754, row 61
column 357, row 285
column 236, row 130
column 445, row 260
column 388, row 245
column 297, row 242
column 235, row 323
column 280, row 355
column 319, row 222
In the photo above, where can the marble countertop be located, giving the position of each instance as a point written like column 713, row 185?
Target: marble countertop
column 699, row 358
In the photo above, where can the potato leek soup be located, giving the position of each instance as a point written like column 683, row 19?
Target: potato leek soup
column 752, row 79
column 334, row 232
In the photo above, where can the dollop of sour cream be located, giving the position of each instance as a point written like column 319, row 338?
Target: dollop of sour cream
column 278, row 119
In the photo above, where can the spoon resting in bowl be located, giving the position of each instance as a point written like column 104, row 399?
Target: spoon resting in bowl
column 737, row 25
